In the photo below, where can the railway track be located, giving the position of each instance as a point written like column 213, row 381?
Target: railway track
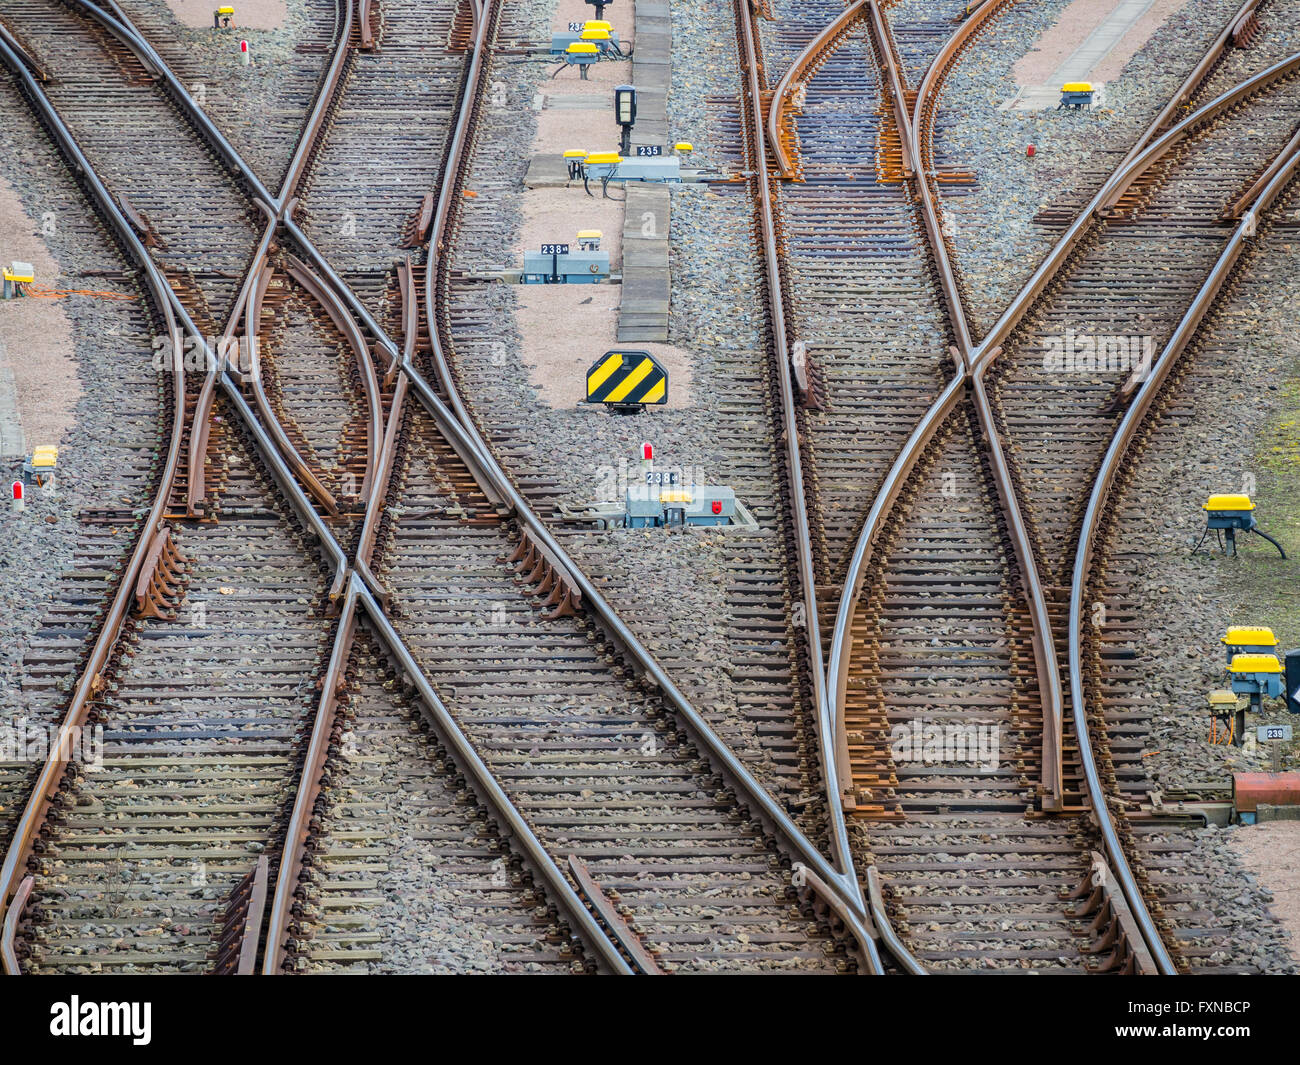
column 413, row 618
column 200, row 229
column 169, row 685
column 409, row 872
column 203, row 714
column 243, row 926
column 707, row 889
column 262, row 118
column 590, row 756
column 129, row 446
column 748, row 684
column 947, row 590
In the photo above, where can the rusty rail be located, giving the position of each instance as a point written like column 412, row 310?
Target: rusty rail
column 843, row 875
column 241, row 922
column 844, row 899
column 1114, row 928
column 919, row 131
column 346, row 324
column 1120, row 443
column 618, row 928
column 803, row 67
column 1226, row 40
column 177, row 323
column 462, row 432
column 364, row 592
column 15, row 860
column 1235, row 210
column 970, row 370
column 1125, row 174
column 159, row 578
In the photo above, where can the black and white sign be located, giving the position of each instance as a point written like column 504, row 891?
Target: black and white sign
column 555, row 249
column 1269, row 733
column 649, row 149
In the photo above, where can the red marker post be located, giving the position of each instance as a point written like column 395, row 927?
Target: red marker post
column 244, row 54
column 1029, row 152
column 17, row 490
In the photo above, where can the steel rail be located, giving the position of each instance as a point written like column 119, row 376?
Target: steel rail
column 10, row 963
column 174, row 312
column 124, row 30
column 486, row 785
column 844, row 874
column 803, row 66
column 261, row 278
column 1235, row 210
column 1192, row 83
column 230, row 157
column 920, row 132
column 1124, row 175
column 46, row 788
column 365, row 589
column 924, row 432
column 847, row 896
column 357, row 588
column 1119, row 446
column 872, row 528
column 324, row 295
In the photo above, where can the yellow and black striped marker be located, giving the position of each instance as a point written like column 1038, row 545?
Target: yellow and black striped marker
column 627, row 378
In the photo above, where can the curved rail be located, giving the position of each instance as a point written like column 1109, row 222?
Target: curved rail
column 1119, row 445
column 358, row 588
column 458, row 426
column 975, row 362
column 56, row 763
column 920, row 132
column 1191, row 84
column 1114, row 187
column 804, row 65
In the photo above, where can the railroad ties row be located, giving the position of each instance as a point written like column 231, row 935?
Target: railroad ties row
column 941, row 625
column 765, row 924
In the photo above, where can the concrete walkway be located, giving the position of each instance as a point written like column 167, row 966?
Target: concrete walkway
column 1080, row 64
column 1085, row 59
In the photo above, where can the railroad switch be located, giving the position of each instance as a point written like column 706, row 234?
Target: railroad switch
column 16, row 274
column 40, row 465
column 1075, row 96
column 558, row 264
column 1226, row 514
column 223, row 18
